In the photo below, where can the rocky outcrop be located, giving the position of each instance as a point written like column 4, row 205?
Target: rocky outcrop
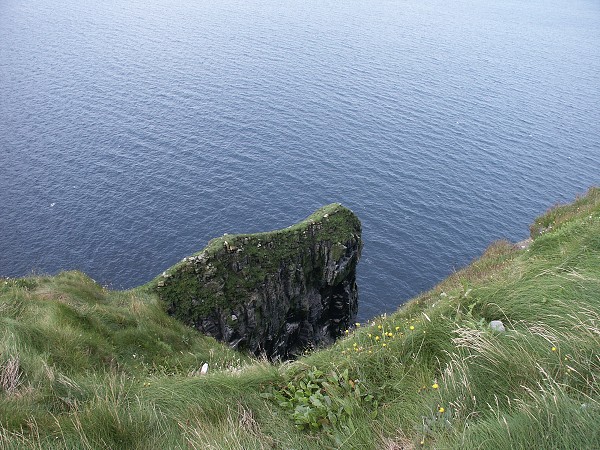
column 276, row 293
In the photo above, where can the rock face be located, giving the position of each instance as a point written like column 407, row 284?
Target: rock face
column 276, row 293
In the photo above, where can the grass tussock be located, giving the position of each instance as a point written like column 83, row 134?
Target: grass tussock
column 84, row 367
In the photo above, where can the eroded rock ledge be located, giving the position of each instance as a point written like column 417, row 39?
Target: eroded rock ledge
column 276, row 293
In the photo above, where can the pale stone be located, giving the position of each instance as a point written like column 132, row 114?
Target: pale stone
column 497, row 325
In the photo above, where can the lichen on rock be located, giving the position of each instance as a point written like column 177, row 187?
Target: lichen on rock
column 275, row 293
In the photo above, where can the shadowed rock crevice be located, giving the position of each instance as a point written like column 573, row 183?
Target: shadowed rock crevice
column 276, row 293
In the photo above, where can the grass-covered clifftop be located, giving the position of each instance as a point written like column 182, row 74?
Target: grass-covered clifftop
column 83, row 367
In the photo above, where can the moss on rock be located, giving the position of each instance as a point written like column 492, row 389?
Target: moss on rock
column 274, row 292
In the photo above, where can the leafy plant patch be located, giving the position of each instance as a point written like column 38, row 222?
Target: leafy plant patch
column 324, row 401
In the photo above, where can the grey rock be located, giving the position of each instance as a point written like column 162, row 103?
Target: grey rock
column 497, row 325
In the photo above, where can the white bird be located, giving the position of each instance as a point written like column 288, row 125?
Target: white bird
column 204, row 369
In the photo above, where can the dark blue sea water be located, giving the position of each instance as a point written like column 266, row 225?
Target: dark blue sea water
column 132, row 132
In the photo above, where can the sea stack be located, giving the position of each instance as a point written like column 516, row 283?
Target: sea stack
column 276, row 293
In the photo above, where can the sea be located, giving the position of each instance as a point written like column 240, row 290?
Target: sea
column 132, row 132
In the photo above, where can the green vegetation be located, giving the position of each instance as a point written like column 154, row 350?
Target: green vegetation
column 323, row 401
column 205, row 281
column 83, row 367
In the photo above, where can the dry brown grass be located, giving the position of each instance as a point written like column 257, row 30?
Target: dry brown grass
column 10, row 375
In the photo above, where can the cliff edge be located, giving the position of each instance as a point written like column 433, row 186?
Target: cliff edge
column 276, row 293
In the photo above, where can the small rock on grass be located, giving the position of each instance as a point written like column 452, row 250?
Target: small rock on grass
column 497, row 325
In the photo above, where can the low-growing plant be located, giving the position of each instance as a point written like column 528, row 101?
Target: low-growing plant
column 318, row 400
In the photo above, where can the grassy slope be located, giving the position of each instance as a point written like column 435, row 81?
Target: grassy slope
column 82, row 367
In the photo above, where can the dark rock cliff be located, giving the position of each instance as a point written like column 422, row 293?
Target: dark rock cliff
column 276, row 293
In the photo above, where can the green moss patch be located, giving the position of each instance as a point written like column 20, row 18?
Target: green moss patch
column 224, row 274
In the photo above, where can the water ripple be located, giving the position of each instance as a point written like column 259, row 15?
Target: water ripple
column 133, row 132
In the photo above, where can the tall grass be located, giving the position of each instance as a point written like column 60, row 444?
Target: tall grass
column 84, row 367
